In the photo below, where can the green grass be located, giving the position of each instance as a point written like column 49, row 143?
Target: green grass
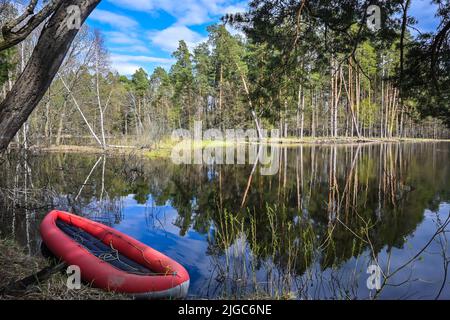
column 164, row 148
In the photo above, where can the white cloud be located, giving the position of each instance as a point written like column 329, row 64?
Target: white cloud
column 126, row 69
column 142, row 5
column 131, row 49
column 130, row 42
column 145, row 59
column 128, row 64
column 113, row 19
column 118, row 37
column 168, row 39
column 187, row 12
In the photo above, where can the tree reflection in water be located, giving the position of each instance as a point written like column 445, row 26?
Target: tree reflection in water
column 308, row 232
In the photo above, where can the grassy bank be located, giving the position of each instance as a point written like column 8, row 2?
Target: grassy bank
column 15, row 265
column 163, row 149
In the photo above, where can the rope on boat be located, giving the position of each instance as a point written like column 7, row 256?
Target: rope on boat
column 114, row 255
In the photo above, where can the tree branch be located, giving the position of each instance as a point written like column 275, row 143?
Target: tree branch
column 12, row 38
column 435, row 49
column 28, row 12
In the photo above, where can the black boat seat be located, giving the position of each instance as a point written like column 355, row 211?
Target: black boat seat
column 102, row 251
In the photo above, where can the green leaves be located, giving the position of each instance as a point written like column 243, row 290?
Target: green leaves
column 140, row 81
column 7, row 64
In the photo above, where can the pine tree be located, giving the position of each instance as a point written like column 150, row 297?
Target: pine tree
column 182, row 76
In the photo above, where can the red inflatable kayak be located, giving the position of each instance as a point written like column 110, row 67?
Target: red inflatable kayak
column 111, row 260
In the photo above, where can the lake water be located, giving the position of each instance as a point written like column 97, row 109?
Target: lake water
column 310, row 231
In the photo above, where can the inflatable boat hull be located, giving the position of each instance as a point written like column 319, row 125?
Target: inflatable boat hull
column 166, row 278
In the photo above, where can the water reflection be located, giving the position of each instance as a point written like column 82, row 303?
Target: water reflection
column 308, row 232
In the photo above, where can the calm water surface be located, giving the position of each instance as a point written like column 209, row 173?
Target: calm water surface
column 308, row 232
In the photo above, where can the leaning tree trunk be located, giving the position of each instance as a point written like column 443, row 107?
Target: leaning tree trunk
column 47, row 57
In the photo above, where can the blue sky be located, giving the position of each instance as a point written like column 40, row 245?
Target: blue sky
column 144, row 33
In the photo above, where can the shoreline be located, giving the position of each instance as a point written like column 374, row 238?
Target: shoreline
column 164, row 148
